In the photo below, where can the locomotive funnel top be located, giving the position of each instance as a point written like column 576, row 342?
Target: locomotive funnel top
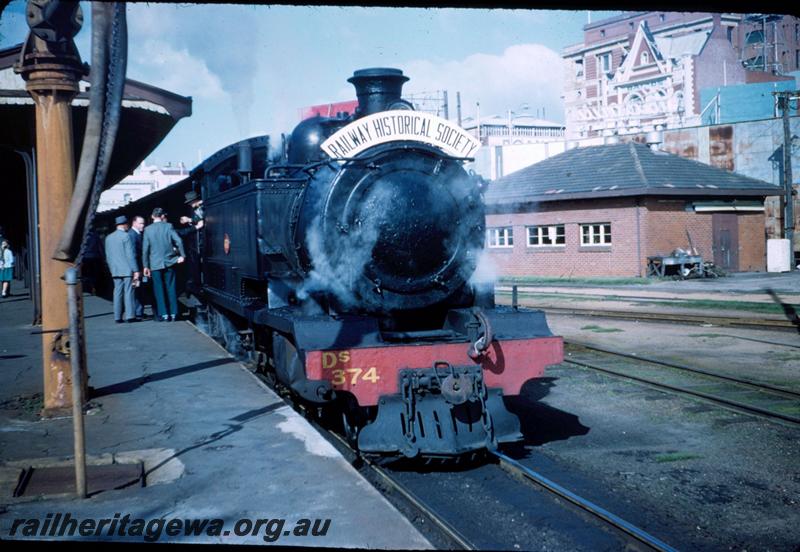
column 378, row 89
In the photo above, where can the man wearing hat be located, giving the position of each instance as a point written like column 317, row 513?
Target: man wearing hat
column 193, row 200
column 161, row 251
column 121, row 259
column 193, row 238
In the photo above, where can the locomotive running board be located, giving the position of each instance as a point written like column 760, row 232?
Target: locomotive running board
column 441, row 428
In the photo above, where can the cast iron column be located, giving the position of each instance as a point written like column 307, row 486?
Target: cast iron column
column 52, row 69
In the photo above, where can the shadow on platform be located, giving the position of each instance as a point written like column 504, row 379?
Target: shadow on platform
column 133, row 384
column 219, row 435
column 16, row 298
column 98, row 315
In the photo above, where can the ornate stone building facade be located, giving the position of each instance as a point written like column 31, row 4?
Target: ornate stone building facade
column 643, row 71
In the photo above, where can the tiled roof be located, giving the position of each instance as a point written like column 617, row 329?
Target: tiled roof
column 615, row 170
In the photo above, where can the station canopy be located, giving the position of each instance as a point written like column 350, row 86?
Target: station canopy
column 148, row 115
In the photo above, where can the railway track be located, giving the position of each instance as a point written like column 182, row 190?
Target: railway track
column 764, row 341
column 637, row 535
column 695, row 319
column 765, row 401
column 634, row 537
column 449, row 537
column 451, row 534
column 790, row 324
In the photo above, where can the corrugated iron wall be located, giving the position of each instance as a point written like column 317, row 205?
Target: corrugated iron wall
column 751, row 148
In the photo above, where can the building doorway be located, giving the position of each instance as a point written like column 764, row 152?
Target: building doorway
column 725, row 227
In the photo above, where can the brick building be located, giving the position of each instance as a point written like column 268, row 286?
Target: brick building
column 602, row 210
column 645, row 71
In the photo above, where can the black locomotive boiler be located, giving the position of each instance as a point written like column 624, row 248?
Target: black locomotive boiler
column 346, row 255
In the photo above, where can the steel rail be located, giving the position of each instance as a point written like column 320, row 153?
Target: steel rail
column 720, row 401
column 758, row 386
column 451, row 532
column 766, row 342
column 699, row 319
column 760, row 323
column 514, row 467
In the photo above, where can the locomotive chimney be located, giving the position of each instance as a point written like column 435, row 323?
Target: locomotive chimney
column 245, row 158
column 378, row 89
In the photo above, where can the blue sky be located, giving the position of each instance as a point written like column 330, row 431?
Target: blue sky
column 249, row 68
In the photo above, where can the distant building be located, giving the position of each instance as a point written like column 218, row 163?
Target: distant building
column 144, row 180
column 328, row 109
column 513, row 142
column 514, row 128
column 602, row 210
column 645, row 71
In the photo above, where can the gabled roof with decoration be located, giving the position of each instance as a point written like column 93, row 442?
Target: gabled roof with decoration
column 631, row 68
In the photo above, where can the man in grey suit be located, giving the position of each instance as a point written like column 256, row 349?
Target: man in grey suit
column 161, row 251
column 121, row 259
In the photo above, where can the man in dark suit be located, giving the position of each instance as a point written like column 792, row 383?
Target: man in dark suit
column 121, row 259
column 161, row 251
column 137, row 228
column 192, row 237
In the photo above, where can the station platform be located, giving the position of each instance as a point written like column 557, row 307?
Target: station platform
column 212, row 440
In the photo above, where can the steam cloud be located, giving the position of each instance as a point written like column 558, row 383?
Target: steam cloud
column 485, row 271
column 337, row 272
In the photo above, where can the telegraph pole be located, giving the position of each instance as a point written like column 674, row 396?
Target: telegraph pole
column 52, row 68
column 784, row 102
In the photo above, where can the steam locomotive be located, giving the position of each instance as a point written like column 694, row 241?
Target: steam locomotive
column 344, row 260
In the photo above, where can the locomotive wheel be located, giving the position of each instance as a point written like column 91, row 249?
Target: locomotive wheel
column 222, row 328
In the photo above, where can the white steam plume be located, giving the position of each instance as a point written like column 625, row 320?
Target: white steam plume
column 338, row 273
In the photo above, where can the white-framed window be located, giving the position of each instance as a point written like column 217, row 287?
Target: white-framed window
column 547, row 236
column 596, row 234
column 604, row 62
column 644, row 59
column 500, row 237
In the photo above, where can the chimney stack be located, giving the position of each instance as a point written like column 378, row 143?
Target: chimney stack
column 378, row 89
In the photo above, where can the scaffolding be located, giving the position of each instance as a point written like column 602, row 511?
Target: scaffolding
column 430, row 102
column 762, row 43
